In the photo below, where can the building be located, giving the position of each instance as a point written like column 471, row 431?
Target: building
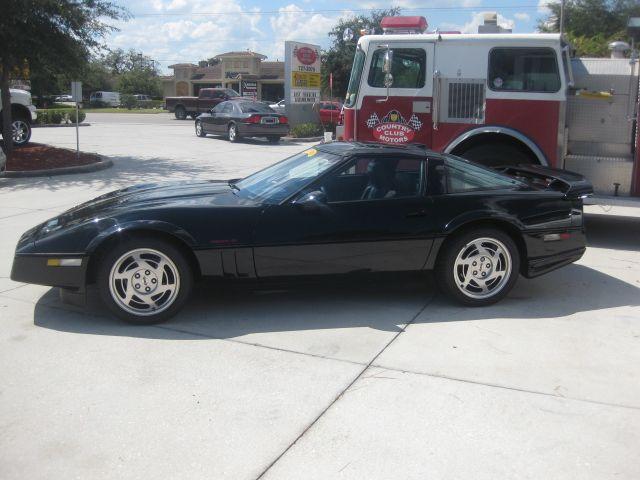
column 491, row 24
column 259, row 77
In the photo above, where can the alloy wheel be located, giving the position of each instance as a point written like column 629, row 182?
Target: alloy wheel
column 232, row 133
column 144, row 282
column 20, row 130
column 482, row 268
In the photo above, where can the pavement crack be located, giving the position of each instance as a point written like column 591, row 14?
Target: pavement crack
column 344, row 390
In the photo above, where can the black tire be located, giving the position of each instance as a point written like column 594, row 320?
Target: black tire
column 21, row 131
column 184, row 282
column 449, row 273
column 497, row 155
column 232, row 133
column 273, row 139
column 193, row 115
column 200, row 129
column 180, row 113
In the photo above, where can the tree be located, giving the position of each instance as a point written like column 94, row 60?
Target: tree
column 59, row 34
column 339, row 57
column 590, row 25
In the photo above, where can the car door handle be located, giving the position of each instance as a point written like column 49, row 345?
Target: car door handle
column 419, row 213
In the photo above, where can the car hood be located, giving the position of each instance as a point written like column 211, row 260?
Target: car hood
column 214, row 193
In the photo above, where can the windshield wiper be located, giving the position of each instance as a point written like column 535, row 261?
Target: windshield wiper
column 234, row 187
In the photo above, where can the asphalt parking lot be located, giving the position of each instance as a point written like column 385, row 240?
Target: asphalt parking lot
column 313, row 381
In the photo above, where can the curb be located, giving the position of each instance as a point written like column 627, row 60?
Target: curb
column 92, row 167
column 49, row 125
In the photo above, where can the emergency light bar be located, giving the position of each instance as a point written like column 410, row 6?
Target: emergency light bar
column 403, row 24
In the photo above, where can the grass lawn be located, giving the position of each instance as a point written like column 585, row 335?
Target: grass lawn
column 123, row 110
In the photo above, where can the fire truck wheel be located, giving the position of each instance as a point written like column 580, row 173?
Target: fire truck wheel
column 497, row 155
column 478, row 267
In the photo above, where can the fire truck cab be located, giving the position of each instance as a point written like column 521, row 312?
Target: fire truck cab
column 494, row 98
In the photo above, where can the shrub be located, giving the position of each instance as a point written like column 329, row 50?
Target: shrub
column 55, row 116
column 306, row 130
column 128, row 101
column 72, row 116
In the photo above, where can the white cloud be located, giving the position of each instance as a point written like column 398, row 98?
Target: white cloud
column 523, row 17
column 477, row 19
column 292, row 23
column 542, row 6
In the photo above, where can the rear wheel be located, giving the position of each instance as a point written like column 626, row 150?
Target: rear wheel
column 478, row 267
column 144, row 280
column 200, row 129
column 497, row 155
column 232, row 133
column 180, row 113
column 273, row 139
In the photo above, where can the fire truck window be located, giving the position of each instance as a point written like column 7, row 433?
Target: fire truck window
column 354, row 81
column 523, row 70
column 463, row 176
column 408, row 68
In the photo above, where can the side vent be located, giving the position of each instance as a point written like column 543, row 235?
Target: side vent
column 463, row 100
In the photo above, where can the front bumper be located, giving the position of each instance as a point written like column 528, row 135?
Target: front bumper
column 34, row 269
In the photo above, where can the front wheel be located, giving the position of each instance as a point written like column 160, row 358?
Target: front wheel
column 144, row 280
column 21, row 132
column 200, row 129
column 232, row 133
column 478, row 267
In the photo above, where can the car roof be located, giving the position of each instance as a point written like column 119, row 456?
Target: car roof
column 368, row 148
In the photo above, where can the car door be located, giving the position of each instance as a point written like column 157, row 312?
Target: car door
column 364, row 225
column 209, row 121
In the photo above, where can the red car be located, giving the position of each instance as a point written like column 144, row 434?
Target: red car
column 329, row 112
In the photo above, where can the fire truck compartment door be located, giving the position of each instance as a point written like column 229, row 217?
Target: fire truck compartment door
column 404, row 116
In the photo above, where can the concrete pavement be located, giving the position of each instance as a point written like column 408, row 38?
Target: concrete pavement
column 313, row 381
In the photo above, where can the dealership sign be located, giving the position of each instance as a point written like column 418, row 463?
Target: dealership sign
column 302, row 81
column 393, row 128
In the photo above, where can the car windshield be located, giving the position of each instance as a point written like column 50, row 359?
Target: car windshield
column 277, row 182
column 232, row 93
column 255, row 107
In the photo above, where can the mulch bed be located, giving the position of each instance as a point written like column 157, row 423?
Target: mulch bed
column 36, row 156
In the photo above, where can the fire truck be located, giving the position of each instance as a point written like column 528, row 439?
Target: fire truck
column 497, row 99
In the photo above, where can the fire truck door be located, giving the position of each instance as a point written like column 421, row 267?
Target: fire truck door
column 400, row 113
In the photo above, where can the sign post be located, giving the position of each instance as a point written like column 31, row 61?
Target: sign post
column 76, row 95
column 301, row 81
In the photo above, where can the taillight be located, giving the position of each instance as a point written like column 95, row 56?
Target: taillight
column 284, row 119
column 253, row 119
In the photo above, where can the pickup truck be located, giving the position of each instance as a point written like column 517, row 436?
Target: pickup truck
column 23, row 113
column 207, row 98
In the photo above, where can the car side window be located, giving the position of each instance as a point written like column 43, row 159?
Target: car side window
column 367, row 178
column 228, row 107
column 218, row 108
column 464, row 176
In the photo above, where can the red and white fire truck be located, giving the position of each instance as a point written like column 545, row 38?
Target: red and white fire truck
column 498, row 99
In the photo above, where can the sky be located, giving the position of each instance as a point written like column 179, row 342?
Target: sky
column 173, row 31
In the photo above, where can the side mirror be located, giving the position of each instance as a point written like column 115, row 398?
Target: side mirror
column 311, row 201
column 212, row 112
column 388, row 61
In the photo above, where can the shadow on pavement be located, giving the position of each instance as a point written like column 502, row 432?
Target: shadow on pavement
column 125, row 172
column 231, row 311
column 612, row 231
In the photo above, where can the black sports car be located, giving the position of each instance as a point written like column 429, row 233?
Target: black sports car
column 338, row 208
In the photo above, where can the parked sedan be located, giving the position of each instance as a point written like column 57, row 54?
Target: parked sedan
column 243, row 118
column 339, row 208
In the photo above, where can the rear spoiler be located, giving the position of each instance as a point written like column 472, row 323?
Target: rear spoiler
column 572, row 184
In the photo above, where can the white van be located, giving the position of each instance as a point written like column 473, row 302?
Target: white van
column 111, row 99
